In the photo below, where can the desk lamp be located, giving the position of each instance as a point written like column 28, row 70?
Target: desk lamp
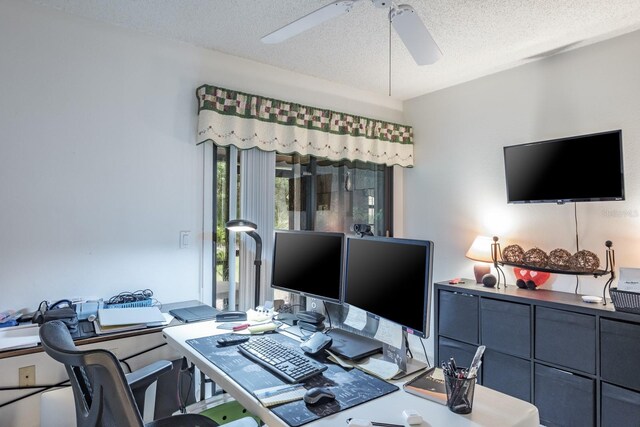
column 237, row 225
column 480, row 251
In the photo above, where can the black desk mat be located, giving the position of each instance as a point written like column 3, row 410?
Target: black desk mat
column 350, row 387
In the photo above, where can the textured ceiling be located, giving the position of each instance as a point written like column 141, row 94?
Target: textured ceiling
column 477, row 37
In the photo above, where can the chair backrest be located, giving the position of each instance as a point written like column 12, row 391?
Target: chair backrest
column 101, row 392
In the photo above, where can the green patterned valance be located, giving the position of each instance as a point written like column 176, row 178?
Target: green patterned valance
column 229, row 117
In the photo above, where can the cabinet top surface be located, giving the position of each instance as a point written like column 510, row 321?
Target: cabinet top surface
column 544, row 297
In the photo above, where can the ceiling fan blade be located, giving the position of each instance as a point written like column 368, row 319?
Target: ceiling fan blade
column 311, row 20
column 414, row 35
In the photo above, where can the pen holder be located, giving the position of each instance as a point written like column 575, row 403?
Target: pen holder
column 459, row 393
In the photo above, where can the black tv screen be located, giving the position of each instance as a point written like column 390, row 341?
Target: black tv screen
column 576, row 169
column 308, row 263
column 391, row 278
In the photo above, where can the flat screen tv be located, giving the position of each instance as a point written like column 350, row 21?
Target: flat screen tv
column 585, row 168
column 308, row 263
column 391, row 278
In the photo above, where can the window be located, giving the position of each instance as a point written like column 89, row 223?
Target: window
column 310, row 194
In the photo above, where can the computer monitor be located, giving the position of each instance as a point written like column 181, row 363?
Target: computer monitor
column 308, row 263
column 391, row 278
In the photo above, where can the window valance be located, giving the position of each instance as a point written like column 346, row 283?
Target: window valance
column 229, row 117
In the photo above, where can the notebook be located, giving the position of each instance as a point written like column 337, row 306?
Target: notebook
column 195, row 313
column 429, row 385
column 280, row 394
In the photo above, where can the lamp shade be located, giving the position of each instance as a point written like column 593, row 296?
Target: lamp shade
column 240, row 225
column 480, row 249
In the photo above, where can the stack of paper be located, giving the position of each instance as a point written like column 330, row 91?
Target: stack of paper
column 280, row 394
column 19, row 337
column 629, row 279
column 112, row 320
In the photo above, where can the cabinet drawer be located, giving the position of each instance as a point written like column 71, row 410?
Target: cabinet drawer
column 458, row 316
column 564, row 399
column 507, row 374
column 619, row 350
column 565, row 338
column 463, row 353
column 506, row 327
column 620, row 407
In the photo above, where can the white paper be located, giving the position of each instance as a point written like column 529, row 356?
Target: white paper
column 389, row 333
column 19, row 337
column 629, row 279
column 380, row 368
column 356, row 318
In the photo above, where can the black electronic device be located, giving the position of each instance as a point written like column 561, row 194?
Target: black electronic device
column 232, row 339
column 310, row 316
column 313, row 327
column 289, row 364
column 308, row 263
column 391, row 278
column 489, row 280
column 318, row 395
column 583, row 168
column 352, row 346
column 316, row 343
column 231, row 316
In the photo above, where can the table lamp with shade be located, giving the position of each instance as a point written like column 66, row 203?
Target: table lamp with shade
column 480, row 251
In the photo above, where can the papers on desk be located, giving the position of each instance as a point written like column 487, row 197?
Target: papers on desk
column 380, row 368
column 140, row 318
column 15, row 337
column 277, row 395
column 629, row 279
column 129, row 316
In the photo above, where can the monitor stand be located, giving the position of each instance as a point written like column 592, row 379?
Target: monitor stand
column 402, row 357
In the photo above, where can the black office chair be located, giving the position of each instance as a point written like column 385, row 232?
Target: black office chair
column 103, row 395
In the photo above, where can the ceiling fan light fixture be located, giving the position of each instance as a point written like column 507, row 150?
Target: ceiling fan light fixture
column 414, row 35
column 317, row 17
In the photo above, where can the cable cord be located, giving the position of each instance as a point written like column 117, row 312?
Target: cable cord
column 328, row 314
column 182, row 400
column 575, row 218
column 426, row 356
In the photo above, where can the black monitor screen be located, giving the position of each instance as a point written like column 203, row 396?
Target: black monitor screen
column 391, row 278
column 576, row 169
column 308, row 263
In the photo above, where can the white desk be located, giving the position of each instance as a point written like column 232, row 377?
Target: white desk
column 490, row 408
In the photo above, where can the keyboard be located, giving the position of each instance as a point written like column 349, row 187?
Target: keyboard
column 289, row 364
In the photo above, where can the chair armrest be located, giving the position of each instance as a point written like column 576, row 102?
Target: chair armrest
column 183, row 420
column 144, row 377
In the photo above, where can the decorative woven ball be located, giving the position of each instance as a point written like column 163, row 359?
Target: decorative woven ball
column 559, row 258
column 584, row 261
column 513, row 253
column 535, row 257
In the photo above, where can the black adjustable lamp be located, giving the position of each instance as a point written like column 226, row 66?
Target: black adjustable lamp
column 237, row 225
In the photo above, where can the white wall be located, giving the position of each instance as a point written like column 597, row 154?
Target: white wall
column 457, row 188
column 99, row 171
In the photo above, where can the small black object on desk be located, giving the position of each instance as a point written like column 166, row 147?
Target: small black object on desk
column 316, row 343
column 318, row 395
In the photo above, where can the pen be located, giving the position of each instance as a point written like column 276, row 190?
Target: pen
column 378, row 424
column 241, row 327
column 475, row 363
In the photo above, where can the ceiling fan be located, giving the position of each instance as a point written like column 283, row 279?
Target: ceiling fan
column 404, row 19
